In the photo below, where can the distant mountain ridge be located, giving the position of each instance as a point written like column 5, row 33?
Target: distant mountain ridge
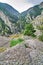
column 33, row 11
column 9, row 8
column 9, row 11
column 11, row 17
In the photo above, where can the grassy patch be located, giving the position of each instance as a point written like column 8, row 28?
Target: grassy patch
column 15, row 42
column 16, row 36
column 2, row 49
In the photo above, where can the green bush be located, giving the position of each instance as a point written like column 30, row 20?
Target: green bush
column 29, row 30
column 41, row 37
column 15, row 42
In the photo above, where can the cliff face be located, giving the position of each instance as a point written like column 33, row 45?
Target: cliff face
column 5, row 19
column 9, row 16
column 7, row 22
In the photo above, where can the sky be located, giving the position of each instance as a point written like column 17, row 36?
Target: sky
column 22, row 5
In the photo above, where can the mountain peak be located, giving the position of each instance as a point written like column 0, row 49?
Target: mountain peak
column 41, row 3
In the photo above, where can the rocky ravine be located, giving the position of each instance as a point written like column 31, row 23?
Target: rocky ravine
column 30, row 52
column 5, row 19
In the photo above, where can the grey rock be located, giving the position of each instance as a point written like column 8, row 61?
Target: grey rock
column 30, row 52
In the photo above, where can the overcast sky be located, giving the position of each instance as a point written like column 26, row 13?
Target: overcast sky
column 21, row 5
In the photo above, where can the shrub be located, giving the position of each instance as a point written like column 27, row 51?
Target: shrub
column 15, row 42
column 29, row 30
column 41, row 37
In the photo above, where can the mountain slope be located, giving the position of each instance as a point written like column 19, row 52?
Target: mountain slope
column 9, row 16
column 9, row 11
column 33, row 11
column 13, row 20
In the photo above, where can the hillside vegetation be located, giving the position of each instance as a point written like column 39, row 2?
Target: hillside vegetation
column 15, row 21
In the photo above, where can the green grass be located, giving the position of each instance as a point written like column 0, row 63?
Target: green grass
column 15, row 42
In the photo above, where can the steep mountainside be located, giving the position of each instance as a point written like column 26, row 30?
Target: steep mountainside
column 38, row 20
column 33, row 11
column 13, row 20
column 8, row 15
column 9, row 11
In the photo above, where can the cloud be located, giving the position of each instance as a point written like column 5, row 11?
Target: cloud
column 34, row 1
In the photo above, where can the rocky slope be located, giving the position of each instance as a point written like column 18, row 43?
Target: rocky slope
column 4, row 42
column 30, row 52
column 5, row 19
column 7, row 22
column 9, row 16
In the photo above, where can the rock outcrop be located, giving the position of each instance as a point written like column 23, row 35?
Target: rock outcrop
column 5, row 19
column 30, row 52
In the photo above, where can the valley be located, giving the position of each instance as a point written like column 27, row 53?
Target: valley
column 21, row 35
